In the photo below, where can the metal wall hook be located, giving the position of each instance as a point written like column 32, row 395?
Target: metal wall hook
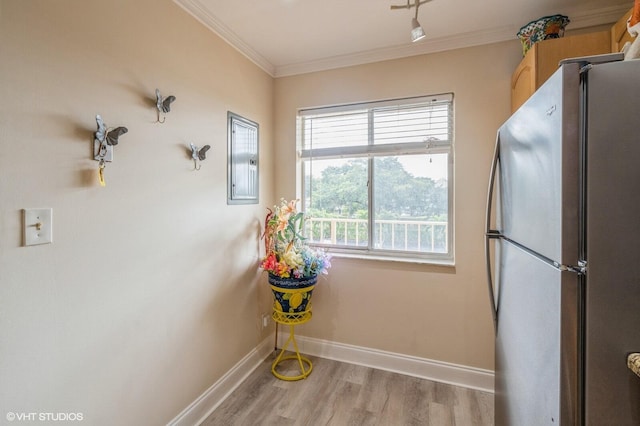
column 158, row 119
column 104, row 141
column 198, row 155
column 163, row 105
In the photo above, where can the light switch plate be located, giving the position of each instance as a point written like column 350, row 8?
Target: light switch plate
column 38, row 226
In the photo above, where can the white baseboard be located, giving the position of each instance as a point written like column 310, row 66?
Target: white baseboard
column 202, row 407
column 444, row 372
column 438, row 371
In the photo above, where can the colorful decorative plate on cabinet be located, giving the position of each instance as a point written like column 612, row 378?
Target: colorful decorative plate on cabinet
column 542, row 29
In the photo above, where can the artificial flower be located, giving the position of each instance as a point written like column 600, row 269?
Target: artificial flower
column 286, row 251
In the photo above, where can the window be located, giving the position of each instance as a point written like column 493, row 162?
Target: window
column 377, row 178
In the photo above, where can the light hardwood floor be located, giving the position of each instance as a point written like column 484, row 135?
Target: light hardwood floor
column 344, row 394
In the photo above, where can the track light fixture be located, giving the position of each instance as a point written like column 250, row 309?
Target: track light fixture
column 417, row 33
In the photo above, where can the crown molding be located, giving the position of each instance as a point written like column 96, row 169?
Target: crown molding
column 602, row 16
column 198, row 11
column 396, row 52
column 579, row 19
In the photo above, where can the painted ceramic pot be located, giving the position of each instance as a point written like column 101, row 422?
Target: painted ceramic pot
column 544, row 28
column 292, row 295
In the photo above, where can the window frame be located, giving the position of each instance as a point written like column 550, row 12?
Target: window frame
column 370, row 152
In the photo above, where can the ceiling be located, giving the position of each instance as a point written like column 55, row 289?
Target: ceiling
column 288, row 37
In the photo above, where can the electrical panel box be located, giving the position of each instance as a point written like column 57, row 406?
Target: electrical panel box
column 242, row 164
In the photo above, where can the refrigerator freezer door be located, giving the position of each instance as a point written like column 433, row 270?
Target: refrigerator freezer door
column 539, row 166
column 536, row 342
column 612, row 395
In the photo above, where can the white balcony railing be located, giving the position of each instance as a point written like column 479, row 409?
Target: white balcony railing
column 408, row 235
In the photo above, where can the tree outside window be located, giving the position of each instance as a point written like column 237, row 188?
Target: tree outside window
column 378, row 177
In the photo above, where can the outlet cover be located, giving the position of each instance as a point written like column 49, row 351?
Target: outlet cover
column 107, row 155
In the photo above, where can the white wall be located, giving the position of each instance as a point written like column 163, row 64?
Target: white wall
column 148, row 294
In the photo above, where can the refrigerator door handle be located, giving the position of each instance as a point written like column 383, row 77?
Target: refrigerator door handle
column 491, row 233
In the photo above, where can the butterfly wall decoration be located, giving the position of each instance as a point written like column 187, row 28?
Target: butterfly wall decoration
column 163, row 105
column 198, row 154
column 104, row 141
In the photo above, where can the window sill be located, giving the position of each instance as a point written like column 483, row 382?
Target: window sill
column 390, row 258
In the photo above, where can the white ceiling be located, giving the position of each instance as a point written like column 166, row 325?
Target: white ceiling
column 287, row 37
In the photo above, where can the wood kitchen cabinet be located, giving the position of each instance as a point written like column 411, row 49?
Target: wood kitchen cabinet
column 542, row 60
column 619, row 33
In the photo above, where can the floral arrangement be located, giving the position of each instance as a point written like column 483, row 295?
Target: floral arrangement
column 287, row 253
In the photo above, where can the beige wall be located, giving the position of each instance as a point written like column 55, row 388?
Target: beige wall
column 148, row 294
column 439, row 313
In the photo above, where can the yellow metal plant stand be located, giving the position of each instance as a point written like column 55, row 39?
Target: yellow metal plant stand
column 292, row 319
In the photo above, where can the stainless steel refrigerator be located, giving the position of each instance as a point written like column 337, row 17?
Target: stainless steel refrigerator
column 563, row 250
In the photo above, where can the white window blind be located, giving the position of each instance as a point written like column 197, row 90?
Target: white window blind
column 378, row 128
